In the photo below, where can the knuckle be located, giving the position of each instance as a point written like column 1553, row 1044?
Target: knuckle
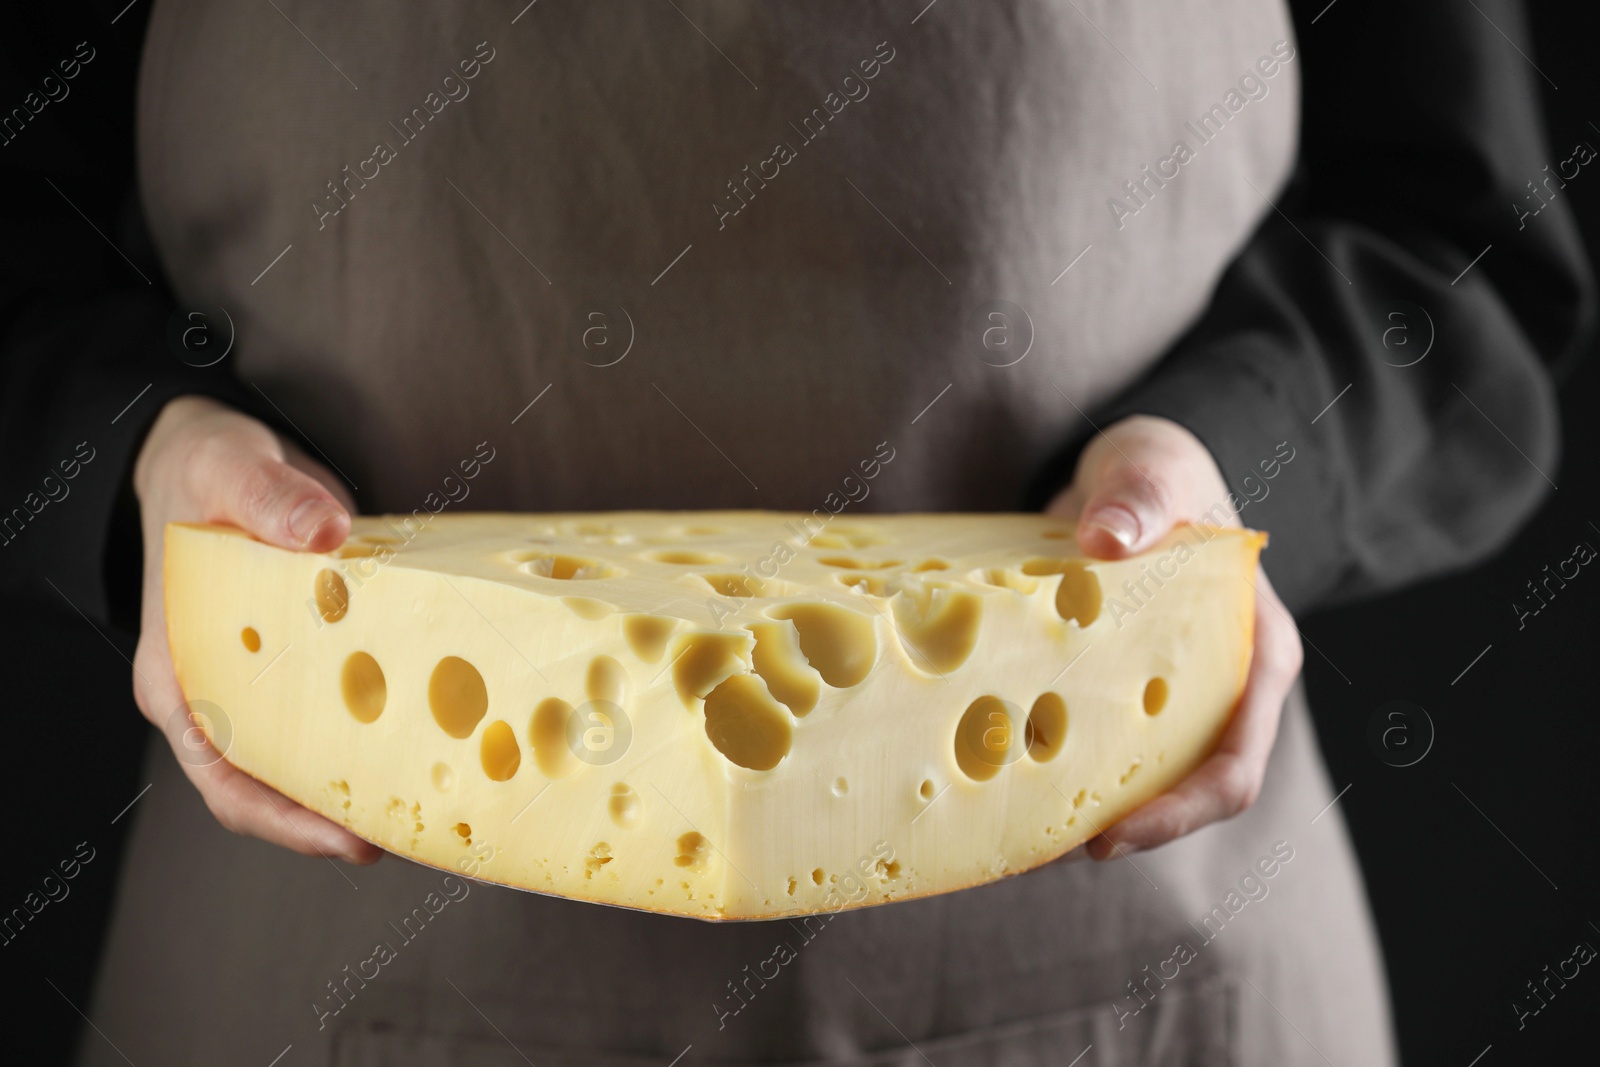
column 1153, row 487
column 1289, row 650
column 207, row 462
column 257, row 488
column 1239, row 787
column 225, row 816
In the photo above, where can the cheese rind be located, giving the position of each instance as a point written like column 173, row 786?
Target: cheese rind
column 716, row 714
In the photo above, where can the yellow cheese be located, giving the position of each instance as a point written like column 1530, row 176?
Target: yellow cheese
column 725, row 715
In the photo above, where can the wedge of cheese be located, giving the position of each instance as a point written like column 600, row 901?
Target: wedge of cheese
column 725, row 715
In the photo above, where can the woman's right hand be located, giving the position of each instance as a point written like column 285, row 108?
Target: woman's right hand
column 204, row 462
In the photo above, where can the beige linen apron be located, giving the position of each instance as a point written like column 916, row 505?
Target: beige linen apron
column 714, row 255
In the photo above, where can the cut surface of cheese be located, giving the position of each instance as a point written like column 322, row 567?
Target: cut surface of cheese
column 724, row 715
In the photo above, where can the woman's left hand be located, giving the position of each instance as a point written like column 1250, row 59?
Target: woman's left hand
column 1133, row 483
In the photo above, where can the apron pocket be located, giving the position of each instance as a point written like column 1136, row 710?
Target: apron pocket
column 1192, row 1026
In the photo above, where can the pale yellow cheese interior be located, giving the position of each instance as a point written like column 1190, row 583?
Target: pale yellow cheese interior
column 715, row 714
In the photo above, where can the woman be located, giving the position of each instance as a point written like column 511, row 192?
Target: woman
column 1088, row 257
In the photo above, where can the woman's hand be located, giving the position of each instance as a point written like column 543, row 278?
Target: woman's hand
column 1133, row 483
column 203, row 462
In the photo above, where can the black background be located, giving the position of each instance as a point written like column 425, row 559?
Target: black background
column 1469, row 911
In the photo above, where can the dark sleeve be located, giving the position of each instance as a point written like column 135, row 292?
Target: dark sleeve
column 85, row 363
column 1402, row 227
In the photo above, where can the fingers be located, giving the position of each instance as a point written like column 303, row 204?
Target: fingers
column 1138, row 479
column 202, row 461
column 247, row 483
column 296, row 457
column 1229, row 781
column 245, row 806
column 239, row 802
column 1128, row 509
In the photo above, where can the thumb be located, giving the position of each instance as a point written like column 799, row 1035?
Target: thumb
column 255, row 489
column 1128, row 509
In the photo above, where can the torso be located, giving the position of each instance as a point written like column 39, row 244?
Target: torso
column 772, row 350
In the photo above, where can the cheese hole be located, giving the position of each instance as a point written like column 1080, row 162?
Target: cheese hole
column 746, row 585
column 333, row 597
column 463, row 831
column 693, row 850
column 683, row 557
column 1056, row 535
column 444, row 779
column 251, row 639
column 457, row 696
column 841, row 787
column 703, row 531
column 983, row 738
column 746, row 725
column 598, row 857
column 607, row 681
column 926, row 790
column 780, row 663
column 625, row 807
column 818, row 876
column 356, row 550
column 932, row 565
column 647, row 635
column 550, row 749
column 587, row 607
column 1078, row 596
column 869, row 584
column 851, row 564
column 1047, row 728
column 541, row 565
column 1155, row 696
column 1004, row 579
column 704, row 660
column 361, row 682
column 848, row 537
column 841, row 644
column 498, row 751
column 940, row 633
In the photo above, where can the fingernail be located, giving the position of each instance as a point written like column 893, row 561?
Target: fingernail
column 1119, row 523
column 309, row 517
